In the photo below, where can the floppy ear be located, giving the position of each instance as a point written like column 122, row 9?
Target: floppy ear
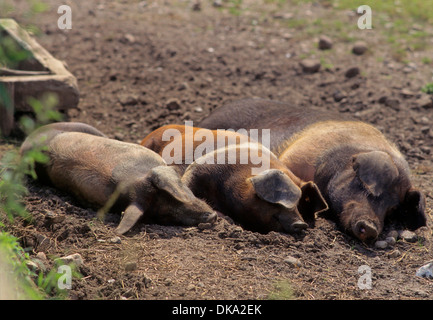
column 167, row 178
column 376, row 170
column 412, row 211
column 132, row 214
column 276, row 187
column 312, row 201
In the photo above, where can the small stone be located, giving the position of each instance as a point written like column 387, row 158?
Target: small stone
column 173, row 104
column 129, row 37
column 53, row 218
column 196, row 6
column 75, row 258
column 426, row 271
column 41, row 256
column 391, row 241
column 130, row 266
column 325, row 43
column 406, row 93
column 183, row 86
column 217, row 3
column 116, row 240
column 395, row 254
column 204, row 225
column 352, row 72
column 359, row 48
column 292, row 261
column 190, row 287
column 382, row 99
column 424, row 102
column 393, row 234
column 198, row 109
column 128, row 100
column 381, row 244
column 408, row 236
column 339, row 95
column 310, row 65
column 119, row 136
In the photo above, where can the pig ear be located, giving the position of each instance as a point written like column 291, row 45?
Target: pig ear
column 412, row 211
column 132, row 214
column 276, row 187
column 167, row 178
column 376, row 170
column 312, row 201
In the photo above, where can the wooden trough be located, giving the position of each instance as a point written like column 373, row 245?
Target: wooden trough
column 34, row 73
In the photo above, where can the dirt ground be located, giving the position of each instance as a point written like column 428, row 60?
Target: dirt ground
column 132, row 57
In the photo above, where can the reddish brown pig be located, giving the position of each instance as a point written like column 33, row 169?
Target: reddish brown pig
column 363, row 177
column 180, row 144
column 97, row 169
column 268, row 200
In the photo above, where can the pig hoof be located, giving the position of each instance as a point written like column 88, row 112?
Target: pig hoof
column 298, row 226
column 365, row 230
column 209, row 217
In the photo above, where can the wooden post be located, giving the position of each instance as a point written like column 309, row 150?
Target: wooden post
column 6, row 108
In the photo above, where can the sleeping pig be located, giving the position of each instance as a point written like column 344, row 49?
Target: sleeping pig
column 97, row 170
column 265, row 199
column 363, row 177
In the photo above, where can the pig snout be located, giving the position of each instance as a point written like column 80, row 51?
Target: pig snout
column 362, row 222
column 197, row 213
column 365, row 230
column 298, row 226
column 291, row 224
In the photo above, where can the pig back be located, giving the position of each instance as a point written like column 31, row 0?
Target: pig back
column 283, row 119
column 92, row 167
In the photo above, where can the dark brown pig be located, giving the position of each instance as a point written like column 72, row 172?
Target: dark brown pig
column 242, row 178
column 363, row 177
column 97, row 170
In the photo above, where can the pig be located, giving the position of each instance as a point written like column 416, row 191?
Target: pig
column 99, row 171
column 269, row 200
column 362, row 176
column 179, row 144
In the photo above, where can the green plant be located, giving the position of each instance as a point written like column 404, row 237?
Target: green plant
column 282, row 291
column 17, row 279
column 428, row 88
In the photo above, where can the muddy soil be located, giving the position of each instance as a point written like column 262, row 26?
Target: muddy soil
column 132, row 58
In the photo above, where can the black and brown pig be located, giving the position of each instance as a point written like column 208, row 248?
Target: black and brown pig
column 261, row 195
column 363, row 177
column 95, row 169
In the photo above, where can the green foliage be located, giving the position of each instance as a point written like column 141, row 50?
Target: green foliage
column 282, row 291
column 17, row 279
column 17, row 283
column 11, row 53
column 428, row 88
